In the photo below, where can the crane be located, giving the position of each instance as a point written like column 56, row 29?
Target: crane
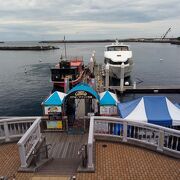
column 163, row 37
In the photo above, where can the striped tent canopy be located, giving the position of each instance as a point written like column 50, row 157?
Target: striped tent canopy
column 55, row 99
column 108, row 98
column 152, row 109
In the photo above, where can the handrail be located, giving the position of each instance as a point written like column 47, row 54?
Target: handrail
column 90, row 143
column 134, row 122
column 9, row 119
column 154, row 137
column 29, row 141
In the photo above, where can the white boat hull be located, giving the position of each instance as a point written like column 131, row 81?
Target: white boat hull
column 116, row 56
column 115, row 72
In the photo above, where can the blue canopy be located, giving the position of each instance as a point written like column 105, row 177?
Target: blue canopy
column 84, row 87
column 108, row 98
column 55, row 99
column 152, row 109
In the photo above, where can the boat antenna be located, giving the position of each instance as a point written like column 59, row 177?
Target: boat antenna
column 65, row 48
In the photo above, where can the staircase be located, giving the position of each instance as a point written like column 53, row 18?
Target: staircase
column 64, row 152
column 60, row 166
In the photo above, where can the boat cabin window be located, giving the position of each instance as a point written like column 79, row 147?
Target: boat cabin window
column 117, row 48
column 60, row 74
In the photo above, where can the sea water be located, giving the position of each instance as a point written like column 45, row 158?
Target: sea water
column 25, row 75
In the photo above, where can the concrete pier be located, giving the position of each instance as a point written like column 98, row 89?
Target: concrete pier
column 104, row 82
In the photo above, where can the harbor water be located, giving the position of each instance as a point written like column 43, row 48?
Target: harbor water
column 25, row 75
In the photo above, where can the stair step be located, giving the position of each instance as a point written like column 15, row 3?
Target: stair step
column 60, row 167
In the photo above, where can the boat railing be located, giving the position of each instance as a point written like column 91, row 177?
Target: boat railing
column 72, row 58
column 153, row 137
column 75, row 58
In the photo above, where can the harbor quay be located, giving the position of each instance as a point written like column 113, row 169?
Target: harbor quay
column 86, row 132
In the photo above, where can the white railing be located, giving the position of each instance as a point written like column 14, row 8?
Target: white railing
column 90, row 144
column 14, row 127
column 29, row 141
column 146, row 135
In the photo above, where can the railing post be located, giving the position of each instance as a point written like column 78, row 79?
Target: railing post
column 22, row 154
column 124, row 131
column 90, row 144
column 39, row 131
column 6, row 131
column 160, row 141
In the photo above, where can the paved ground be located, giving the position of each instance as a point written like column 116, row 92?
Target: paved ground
column 115, row 162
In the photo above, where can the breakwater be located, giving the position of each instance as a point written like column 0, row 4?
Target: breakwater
column 29, row 48
column 176, row 42
column 143, row 40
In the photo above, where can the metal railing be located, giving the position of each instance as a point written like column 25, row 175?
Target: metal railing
column 14, row 127
column 154, row 137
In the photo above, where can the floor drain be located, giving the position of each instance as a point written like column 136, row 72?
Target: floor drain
column 104, row 145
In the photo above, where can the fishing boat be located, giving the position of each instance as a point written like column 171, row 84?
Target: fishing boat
column 117, row 55
column 71, row 70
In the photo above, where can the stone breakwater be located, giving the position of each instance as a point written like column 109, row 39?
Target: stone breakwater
column 29, row 48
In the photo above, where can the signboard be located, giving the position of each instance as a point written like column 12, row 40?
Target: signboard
column 54, row 124
column 108, row 110
column 52, row 109
column 81, row 95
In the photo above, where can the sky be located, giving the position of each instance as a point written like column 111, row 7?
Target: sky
column 26, row 20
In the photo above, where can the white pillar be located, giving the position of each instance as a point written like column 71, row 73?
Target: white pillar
column 107, row 76
column 90, row 143
column 134, row 85
column 124, row 131
column 122, row 78
column 66, row 85
column 22, row 154
column 6, row 131
column 160, row 141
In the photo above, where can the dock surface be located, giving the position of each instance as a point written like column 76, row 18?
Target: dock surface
column 116, row 161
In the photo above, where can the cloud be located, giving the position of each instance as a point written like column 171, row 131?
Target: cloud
column 95, row 18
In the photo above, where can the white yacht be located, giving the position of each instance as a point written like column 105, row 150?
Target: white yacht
column 117, row 55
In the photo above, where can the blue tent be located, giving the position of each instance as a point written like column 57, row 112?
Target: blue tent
column 84, row 87
column 177, row 105
column 55, row 99
column 152, row 109
column 108, row 98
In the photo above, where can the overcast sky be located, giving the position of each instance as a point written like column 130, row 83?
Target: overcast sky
column 87, row 19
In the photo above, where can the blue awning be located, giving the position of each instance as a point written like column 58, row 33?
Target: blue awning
column 108, row 98
column 152, row 109
column 55, row 99
column 84, row 87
